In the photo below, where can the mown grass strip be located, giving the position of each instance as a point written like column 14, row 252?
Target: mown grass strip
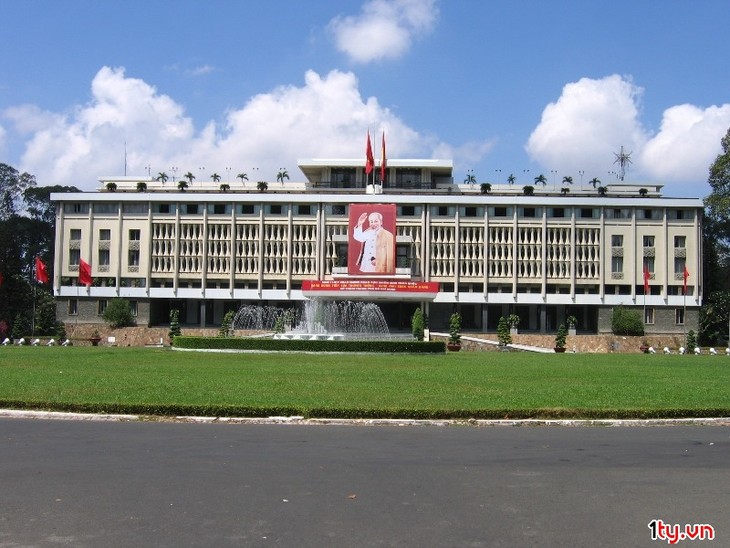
column 464, row 385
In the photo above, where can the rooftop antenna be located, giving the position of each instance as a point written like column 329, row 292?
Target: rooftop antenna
column 623, row 159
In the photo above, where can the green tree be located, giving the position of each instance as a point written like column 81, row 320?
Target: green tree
column 283, row 174
column 118, row 313
column 503, row 335
column 226, row 329
column 455, row 328
column 242, row 176
column 417, row 324
column 470, row 179
column 541, row 180
column 511, row 179
column 175, row 330
column 216, row 178
column 162, row 177
column 717, row 203
column 189, row 176
column 567, row 180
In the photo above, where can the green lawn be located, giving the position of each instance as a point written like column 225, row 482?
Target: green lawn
column 460, row 385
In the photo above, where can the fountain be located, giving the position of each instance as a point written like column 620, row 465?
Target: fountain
column 317, row 319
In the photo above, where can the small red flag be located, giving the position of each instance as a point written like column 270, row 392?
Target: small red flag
column 686, row 275
column 41, row 272
column 383, row 163
column 646, row 279
column 369, row 160
column 84, row 272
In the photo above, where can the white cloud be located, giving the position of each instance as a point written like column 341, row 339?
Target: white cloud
column 325, row 117
column 201, row 70
column 687, row 143
column 592, row 119
column 384, row 29
column 3, row 133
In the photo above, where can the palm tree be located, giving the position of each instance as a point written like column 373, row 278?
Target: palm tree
column 541, row 179
column 595, row 182
column 511, row 179
column 564, row 191
column 470, row 179
column 283, row 174
column 225, row 187
column 567, row 180
column 162, row 177
column 189, row 176
column 215, row 177
column 262, row 186
column 242, row 176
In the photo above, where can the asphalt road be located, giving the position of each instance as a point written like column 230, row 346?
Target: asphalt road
column 71, row 483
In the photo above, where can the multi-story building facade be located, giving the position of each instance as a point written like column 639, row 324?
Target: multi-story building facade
column 484, row 250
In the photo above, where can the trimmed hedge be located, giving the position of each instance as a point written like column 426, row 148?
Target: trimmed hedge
column 279, row 345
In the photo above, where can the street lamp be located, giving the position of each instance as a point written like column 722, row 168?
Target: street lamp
column 174, row 171
column 201, row 169
column 228, row 175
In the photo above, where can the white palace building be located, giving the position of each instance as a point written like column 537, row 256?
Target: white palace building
column 484, row 250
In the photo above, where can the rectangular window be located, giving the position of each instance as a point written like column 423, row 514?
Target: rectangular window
column 501, row 212
column 106, row 208
column 101, row 306
column 190, row 209
column 133, row 257
column 402, row 259
column 276, row 209
column 246, row 209
column 407, row 211
column 73, row 257
column 617, row 240
column 649, row 262
column 133, row 308
column 73, row 307
column 135, row 209
column 338, row 209
column 103, row 258
column 77, row 208
column 557, row 212
column 219, row 209
column 617, row 265
column 679, row 316
column 680, row 241
column 304, row 209
column 529, row 212
column 470, row 211
column 587, row 213
column 341, row 251
column 105, row 234
column 648, row 241
column 75, row 234
column 679, row 264
column 649, row 316
column 134, row 234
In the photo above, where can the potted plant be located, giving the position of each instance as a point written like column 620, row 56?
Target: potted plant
column 560, row 337
column 95, row 337
column 454, row 344
column 513, row 320
column 485, row 188
column 572, row 322
column 262, row 186
column 644, row 347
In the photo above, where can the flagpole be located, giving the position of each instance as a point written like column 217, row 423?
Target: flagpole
column 34, row 274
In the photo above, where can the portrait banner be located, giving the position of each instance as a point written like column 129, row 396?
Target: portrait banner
column 371, row 240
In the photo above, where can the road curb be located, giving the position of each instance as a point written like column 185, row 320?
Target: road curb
column 298, row 420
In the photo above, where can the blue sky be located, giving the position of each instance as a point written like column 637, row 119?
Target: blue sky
column 500, row 87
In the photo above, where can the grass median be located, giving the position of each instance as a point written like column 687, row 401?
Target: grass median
column 461, row 385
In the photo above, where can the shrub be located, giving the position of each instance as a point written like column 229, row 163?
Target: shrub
column 118, row 313
column 627, row 322
column 513, row 320
column 417, row 324
column 503, row 334
column 21, row 326
column 560, row 337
